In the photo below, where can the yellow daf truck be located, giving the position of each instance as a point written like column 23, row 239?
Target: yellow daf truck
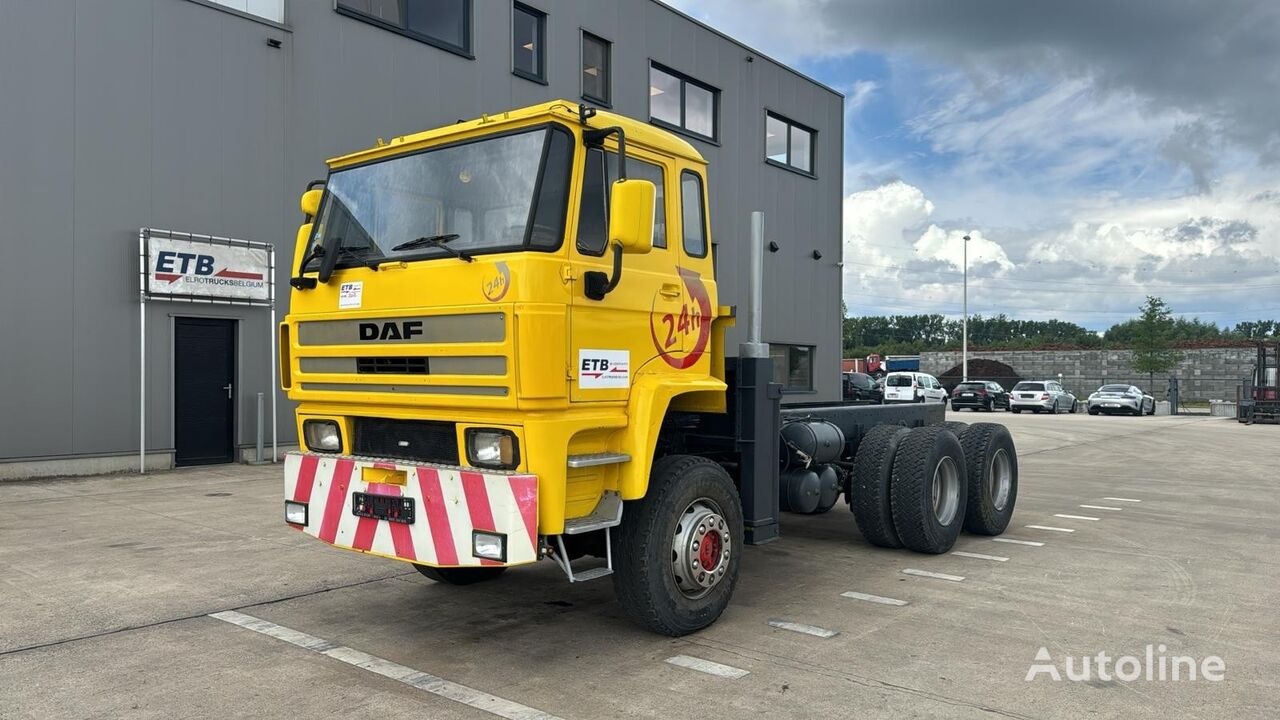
column 506, row 345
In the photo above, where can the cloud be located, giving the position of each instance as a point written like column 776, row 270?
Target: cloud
column 1212, row 65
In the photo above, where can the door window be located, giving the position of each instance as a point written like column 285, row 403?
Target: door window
column 598, row 174
column 692, row 215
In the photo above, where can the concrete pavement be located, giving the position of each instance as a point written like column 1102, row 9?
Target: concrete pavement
column 106, row 586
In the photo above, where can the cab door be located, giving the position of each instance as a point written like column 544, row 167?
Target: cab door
column 611, row 339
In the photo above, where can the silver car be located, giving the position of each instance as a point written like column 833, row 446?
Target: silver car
column 1041, row 396
column 1121, row 399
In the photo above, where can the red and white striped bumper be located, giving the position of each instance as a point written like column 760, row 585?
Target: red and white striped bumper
column 449, row 503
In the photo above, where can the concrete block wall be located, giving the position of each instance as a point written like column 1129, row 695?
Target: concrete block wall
column 1203, row 374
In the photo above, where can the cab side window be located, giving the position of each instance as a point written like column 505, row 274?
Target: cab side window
column 598, row 174
column 691, row 212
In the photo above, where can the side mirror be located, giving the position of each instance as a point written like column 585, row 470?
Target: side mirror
column 311, row 202
column 631, row 209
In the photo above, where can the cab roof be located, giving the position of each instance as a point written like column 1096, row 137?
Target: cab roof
column 563, row 111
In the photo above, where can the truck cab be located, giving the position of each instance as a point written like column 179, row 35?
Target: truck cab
column 492, row 304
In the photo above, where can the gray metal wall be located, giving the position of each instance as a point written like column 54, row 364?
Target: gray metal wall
column 175, row 114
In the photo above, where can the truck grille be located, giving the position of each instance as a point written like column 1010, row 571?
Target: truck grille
column 392, row 366
column 426, row 440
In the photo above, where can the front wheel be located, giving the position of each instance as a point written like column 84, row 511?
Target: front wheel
column 677, row 551
column 1074, row 404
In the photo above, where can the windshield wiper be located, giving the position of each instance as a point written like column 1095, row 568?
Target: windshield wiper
column 347, row 252
column 436, row 241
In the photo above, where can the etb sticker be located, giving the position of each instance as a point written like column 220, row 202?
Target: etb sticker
column 600, row 369
column 349, row 295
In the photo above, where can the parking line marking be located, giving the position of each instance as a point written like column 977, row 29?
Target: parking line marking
column 1049, row 527
column 874, row 598
column 980, row 556
column 926, row 573
column 813, row 630
column 1032, row 543
column 1075, row 517
column 1100, row 507
column 1121, row 499
column 708, row 667
column 477, row 699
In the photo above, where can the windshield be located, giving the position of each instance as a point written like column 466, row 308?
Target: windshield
column 899, row 381
column 483, row 191
column 1029, row 386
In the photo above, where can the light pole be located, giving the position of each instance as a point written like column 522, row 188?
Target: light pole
column 964, row 343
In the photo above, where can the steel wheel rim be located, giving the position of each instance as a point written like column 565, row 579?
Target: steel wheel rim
column 701, row 548
column 946, row 490
column 1000, row 479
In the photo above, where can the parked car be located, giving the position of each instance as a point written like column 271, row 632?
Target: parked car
column 913, row 387
column 979, row 395
column 861, row 387
column 1121, row 399
column 1041, row 396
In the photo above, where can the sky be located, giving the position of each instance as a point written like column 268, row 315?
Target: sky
column 1094, row 151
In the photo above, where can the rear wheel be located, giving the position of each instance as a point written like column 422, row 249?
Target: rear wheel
column 1152, row 409
column 677, row 549
column 460, row 575
column 929, row 493
column 1074, row 405
column 991, row 463
column 868, row 495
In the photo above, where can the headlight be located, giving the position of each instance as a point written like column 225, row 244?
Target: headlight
column 490, row 447
column 295, row 512
column 322, row 435
column 489, row 545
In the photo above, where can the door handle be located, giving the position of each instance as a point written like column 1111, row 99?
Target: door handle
column 670, row 290
column 227, row 387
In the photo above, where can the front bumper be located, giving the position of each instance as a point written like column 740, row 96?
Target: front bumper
column 1114, row 404
column 1021, row 404
column 450, row 503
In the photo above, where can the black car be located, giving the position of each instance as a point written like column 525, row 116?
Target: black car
column 979, row 395
column 861, row 387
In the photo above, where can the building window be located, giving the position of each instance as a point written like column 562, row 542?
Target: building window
column 272, row 10
column 598, row 173
column 792, row 366
column 596, row 69
column 682, row 103
column 788, row 143
column 445, row 24
column 528, row 43
column 693, row 219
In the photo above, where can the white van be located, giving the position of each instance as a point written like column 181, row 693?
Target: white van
column 913, row 387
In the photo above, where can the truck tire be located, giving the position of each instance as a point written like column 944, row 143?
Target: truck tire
column 677, row 551
column 929, row 492
column 991, row 463
column 868, row 495
column 460, row 576
column 955, row 426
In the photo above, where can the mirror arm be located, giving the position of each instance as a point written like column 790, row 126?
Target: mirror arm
column 596, row 138
column 596, row 285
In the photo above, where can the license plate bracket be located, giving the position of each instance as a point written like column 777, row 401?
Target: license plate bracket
column 392, row 508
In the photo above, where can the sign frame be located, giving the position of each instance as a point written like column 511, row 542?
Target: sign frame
column 146, row 293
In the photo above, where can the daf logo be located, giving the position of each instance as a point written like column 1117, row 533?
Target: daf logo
column 390, row 330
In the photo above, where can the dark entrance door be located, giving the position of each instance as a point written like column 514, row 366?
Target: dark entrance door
column 204, row 385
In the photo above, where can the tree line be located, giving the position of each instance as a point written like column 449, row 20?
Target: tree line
column 911, row 334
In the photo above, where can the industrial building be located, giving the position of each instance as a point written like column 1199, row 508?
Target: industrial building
column 210, row 118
